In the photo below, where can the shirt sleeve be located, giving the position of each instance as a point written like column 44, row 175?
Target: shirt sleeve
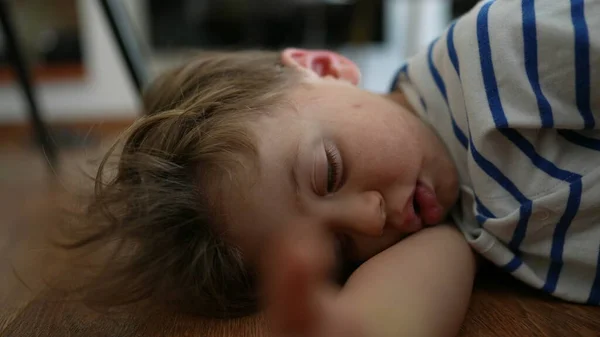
column 545, row 53
column 511, row 88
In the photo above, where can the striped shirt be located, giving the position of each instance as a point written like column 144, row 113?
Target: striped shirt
column 513, row 89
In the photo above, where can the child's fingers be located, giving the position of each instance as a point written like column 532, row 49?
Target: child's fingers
column 293, row 308
column 295, row 273
column 314, row 313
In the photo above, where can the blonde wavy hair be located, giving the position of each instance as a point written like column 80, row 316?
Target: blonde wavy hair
column 160, row 202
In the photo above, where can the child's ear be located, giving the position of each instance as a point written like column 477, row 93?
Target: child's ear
column 322, row 63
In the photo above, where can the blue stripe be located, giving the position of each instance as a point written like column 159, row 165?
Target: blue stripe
column 462, row 138
column 439, row 82
column 531, row 67
column 452, row 49
column 483, row 210
column 594, row 298
column 481, row 219
column 581, row 140
column 531, row 61
column 483, row 213
column 396, row 78
column 435, row 73
column 558, row 239
column 582, row 63
column 521, row 229
column 540, row 162
column 423, row 103
column 513, row 264
column 509, row 186
column 495, row 104
column 460, row 135
column 491, row 89
column 487, row 67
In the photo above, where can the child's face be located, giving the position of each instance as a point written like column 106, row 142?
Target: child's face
column 358, row 164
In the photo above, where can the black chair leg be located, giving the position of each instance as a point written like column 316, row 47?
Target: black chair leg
column 122, row 30
column 17, row 61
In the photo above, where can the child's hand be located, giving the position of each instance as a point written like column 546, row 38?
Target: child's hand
column 301, row 298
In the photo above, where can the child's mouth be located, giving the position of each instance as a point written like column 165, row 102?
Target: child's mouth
column 412, row 221
column 426, row 205
column 424, row 211
column 416, row 206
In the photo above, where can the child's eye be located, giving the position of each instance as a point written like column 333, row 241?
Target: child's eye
column 334, row 169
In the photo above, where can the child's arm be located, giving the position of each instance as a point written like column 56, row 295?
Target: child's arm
column 419, row 287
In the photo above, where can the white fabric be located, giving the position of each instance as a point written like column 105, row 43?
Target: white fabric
column 520, row 81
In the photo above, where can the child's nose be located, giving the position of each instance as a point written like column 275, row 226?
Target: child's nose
column 361, row 213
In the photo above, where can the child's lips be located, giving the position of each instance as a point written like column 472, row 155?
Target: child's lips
column 421, row 209
column 431, row 211
column 409, row 221
column 412, row 221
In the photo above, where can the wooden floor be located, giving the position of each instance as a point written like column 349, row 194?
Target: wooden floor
column 500, row 306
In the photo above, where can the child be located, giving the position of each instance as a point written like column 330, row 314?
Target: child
column 250, row 165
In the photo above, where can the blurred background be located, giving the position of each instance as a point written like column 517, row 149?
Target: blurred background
column 79, row 73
